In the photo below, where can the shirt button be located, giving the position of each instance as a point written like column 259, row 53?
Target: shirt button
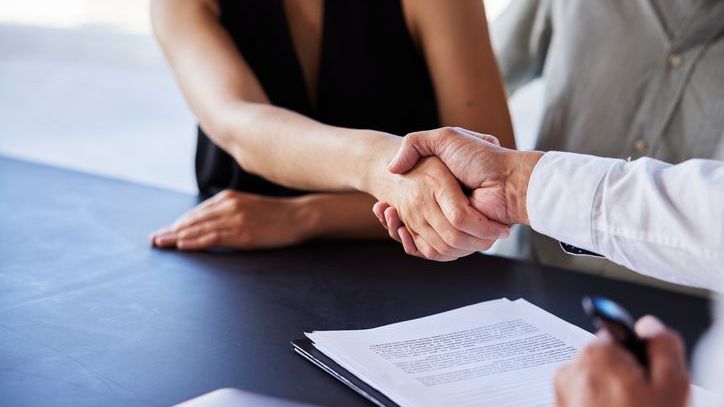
column 640, row 145
column 675, row 61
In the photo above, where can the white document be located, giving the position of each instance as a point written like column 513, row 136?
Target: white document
column 496, row 353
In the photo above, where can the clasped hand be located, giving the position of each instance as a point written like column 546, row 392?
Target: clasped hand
column 496, row 176
column 440, row 223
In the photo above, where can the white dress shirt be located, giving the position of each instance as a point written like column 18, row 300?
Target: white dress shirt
column 622, row 79
column 662, row 220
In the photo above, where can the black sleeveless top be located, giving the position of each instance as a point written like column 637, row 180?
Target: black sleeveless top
column 371, row 76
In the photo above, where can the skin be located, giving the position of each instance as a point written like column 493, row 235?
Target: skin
column 347, row 166
column 605, row 374
column 497, row 176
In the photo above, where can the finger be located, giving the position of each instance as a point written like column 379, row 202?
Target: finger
column 462, row 216
column 379, row 210
column 484, row 137
column 604, row 334
column 393, row 222
column 432, row 246
column 215, row 238
column 425, row 250
column 159, row 232
column 611, row 360
column 414, row 146
column 665, row 349
column 439, row 244
column 562, row 383
column 165, row 240
column 172, row 237
column 408, row 243
column 224, row 200
column 223, row 196
column 205, row 214
column 452, row 236
column 217, row 224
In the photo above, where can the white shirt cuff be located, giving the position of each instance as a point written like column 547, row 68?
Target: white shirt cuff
column 561, row 194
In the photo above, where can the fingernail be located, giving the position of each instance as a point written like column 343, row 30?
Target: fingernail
column 504, row 234
column 649, row 325
column 161, row 240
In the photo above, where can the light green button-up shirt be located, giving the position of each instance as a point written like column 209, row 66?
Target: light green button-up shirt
column 622, row 78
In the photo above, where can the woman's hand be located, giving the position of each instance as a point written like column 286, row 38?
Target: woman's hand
column 237, row 220
column 440, row 223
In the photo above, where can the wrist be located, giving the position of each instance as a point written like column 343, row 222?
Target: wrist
column 374, row 158
column 305, row 217
column 519, row 167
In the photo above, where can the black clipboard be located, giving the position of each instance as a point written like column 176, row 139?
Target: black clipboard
column 305, row 348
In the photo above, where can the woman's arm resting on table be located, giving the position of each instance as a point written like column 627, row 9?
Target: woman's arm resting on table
column 295, row 151
column 248, row 221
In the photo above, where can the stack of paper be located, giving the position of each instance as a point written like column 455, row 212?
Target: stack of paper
column 496, row 353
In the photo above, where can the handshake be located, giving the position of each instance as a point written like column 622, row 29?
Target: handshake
column 462, row 192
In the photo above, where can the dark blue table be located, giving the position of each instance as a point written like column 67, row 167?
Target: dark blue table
column 90, row 315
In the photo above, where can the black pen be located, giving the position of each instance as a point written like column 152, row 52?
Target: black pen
column 606, row 314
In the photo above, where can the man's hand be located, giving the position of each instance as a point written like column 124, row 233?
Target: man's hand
column 605, row 374
column 498, row 177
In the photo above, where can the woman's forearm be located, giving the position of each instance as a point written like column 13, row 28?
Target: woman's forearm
column 295, row 151
column 234, row 110
column 338, row 216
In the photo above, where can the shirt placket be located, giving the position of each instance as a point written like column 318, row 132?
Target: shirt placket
column 669, row 77
column 661, row 100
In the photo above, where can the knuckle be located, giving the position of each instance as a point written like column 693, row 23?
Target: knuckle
column 410, row 138
column 226, row 194
column 236, row 204
column 457, row 217
column 591, row 351
column 453, row 238
column 408, row 141
column 448, row 132
column 670, row 339
column 448, row 250
column 429, row 252
column 445, row 251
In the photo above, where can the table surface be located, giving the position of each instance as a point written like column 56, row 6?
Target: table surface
column 91, row 315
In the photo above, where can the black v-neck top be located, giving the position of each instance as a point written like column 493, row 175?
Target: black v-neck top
column 371, row 76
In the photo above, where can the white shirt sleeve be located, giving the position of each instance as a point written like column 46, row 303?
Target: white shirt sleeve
column 662, row 220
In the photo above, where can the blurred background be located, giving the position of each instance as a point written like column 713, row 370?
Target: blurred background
column 83, row 85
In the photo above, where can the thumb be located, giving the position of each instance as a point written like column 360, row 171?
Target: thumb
column 414, row 147
column 666, row 354
column 485, row 137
